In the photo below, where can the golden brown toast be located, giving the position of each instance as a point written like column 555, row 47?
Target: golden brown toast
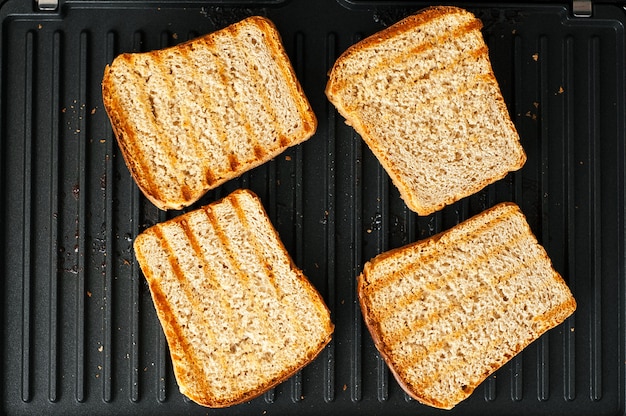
column 448, row 311
column 190, row 117
column 423, row 96
column 238, row 315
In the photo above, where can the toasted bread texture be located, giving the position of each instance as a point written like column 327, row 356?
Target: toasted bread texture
column 238, row 315
column 190, row 117
column 423, row 96
column 448, row 311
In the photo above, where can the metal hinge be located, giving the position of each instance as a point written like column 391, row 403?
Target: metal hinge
column 582, row 8
column 47, row 5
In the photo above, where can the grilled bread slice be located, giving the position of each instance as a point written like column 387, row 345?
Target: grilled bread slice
column 423, row 96
column 238, row 315
column 190, row 117
column 448, row 311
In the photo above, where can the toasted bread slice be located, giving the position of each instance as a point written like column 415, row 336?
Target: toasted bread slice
column 448, row 311
column 190, row 117
column 238, row 315
column 423, row 96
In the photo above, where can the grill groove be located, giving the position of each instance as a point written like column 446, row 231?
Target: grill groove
column 595, row 234
column 572, row 190
column 26, row 232
column 569, row 352
column 108, row 195
column 53, row 224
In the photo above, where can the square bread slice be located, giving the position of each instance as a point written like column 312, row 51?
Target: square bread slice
column 238, row 315
column 448, row 311
column 190, row 117
column 423, row 96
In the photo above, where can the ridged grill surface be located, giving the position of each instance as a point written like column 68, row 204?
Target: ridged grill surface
column 79, row 330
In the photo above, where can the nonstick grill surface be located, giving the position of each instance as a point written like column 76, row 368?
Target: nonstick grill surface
column 79, row 330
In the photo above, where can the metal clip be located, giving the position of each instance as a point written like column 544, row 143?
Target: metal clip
column 582, row 8
column 47, row 5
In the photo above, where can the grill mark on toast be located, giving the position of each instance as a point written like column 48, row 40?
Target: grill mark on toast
column 399, row 58
column 232, row 258
column 187, row 124
column 135, row 160
column 263, row 93
column 171, row 322
column 305, row 114
column 259, row 151
column 284, row 71
column 409, row 298
column 214, row 173
column 291, row 314
column 211, row 274
column 139, row 158
column 224, row 144
column 164, row 65
column 188, row 348
column 383, row 282
column 283, row 140
column 481, row 319
column 411, row 83
column 258, row 310
column 233, row 162
column 398, row 336
column 210, row 177
column 234, row 105
column 456, row 364
column 241, row 216
column 459, row 32
column 156, row 64
column 229, row 256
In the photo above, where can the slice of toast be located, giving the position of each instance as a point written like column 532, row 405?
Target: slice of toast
column 423, row 96
column 238, row 315
column 448, row 311
column 190, row 117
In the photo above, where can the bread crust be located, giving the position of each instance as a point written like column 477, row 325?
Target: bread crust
column 180, row 348
column 555, row 317
column 338, row 81
column 128, row 136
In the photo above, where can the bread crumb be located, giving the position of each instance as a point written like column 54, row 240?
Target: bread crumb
column 561, row 90
column 89, row 293
column 288, row 158
column 100, row 348
column 39, row 26
column 531, row 115
column 535, row 104
column 345, row 387
column 535, row 57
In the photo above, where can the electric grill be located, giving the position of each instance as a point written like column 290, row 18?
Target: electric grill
column 79, row 330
